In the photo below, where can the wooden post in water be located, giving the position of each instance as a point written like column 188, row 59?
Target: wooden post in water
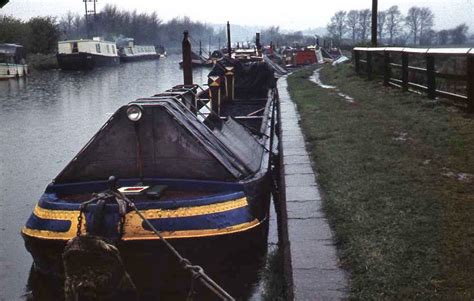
column 187, row 67
column 229, row 45
column 470, row 81
column 386, row 69
column 404, row 71
column 374, row 22
column 431, row 76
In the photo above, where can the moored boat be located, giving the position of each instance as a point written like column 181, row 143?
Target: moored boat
column 196, row 163
column 129, row 52
column 12, row 61
column 86, row 54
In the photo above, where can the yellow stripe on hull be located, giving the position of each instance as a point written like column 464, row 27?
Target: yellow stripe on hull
column 133, row 229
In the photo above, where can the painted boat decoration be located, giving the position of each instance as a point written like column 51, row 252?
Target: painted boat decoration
column 86, row 54
column 196, row 163
column 12, row 61
column 129, row 52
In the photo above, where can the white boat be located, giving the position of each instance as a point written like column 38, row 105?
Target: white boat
column 12, row 61
column 86, row 54
column 130, row 52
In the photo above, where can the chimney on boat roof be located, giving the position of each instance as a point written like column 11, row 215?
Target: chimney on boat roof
column 257, row 41
column 187, row 68
column 229, row 47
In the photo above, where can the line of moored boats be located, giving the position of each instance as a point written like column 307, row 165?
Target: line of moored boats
column 80, row 54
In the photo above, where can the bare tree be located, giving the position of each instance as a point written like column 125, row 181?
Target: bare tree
column 459, row 34
column 365, row 20
column 337, row 27
column 352, row 24
column 413, row 22
column 426, row 23
column 393, row 22
column 381, row 20
column 420, row 21
column 443, row 37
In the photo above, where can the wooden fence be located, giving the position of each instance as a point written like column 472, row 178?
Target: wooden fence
column 443, row 72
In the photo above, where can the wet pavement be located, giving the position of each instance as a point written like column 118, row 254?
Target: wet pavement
column 317, row 274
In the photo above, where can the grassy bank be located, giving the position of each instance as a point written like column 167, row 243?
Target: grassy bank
column 396, row 173
column 40, row 61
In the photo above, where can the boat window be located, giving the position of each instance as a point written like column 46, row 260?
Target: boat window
column 4, row 58
column 108, row 48
column 113, row 49
column 74, row 47
column 97, row 48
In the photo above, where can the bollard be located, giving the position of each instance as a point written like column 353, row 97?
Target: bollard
column 229, row 83
column 214, row 83
column 431, row 76
column 187, row 67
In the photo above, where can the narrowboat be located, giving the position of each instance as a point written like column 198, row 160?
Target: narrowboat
column 196, row 163
column 129, row 52
column 86, row 54
column 12, row 61
column 198, row 60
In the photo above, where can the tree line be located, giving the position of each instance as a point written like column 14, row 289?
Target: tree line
column 41, row 34
column 394, row 28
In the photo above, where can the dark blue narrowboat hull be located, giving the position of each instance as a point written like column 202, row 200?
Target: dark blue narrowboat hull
column 85, row 61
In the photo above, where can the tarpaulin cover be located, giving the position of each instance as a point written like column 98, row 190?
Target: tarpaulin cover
column 172, row 142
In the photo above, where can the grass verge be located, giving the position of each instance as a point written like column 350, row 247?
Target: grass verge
column 396, row 171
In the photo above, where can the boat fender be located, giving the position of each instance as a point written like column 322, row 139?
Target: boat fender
column 94, row 270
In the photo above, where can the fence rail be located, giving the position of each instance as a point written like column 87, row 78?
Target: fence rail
column 432, row 66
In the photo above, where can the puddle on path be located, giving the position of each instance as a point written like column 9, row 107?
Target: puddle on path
column 315, row 78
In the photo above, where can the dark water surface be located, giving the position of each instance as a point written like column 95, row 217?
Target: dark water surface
column 44, row 121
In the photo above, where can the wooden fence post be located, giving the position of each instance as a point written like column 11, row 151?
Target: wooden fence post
column 386, row 69
column 431, row 76
column 405, row 71
column 470, row 82
column 357, row 61
column 369, row 65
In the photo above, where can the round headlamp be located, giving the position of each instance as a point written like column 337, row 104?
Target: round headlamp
column 134, row 113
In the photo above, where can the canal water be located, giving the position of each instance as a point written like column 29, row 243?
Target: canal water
column 44, row 121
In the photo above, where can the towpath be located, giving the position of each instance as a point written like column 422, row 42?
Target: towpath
column 317, row 274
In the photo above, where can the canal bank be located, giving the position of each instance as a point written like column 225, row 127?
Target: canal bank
column 396, row 170
column 313, row 266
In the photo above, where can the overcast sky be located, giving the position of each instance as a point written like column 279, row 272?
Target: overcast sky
column 291, row 15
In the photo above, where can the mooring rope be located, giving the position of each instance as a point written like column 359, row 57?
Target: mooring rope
column 197, row 272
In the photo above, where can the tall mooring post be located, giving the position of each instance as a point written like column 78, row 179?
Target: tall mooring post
column 187, row 67
column 374, row 22
column 229, row 45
